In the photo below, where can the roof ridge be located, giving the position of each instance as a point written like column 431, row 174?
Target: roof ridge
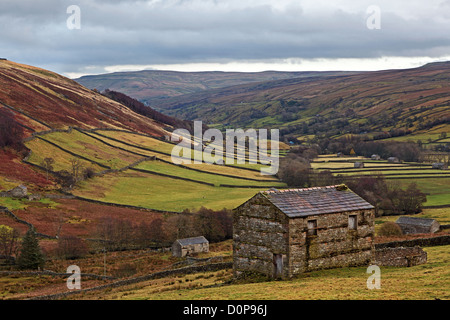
column 273, row 190
column 316, row 200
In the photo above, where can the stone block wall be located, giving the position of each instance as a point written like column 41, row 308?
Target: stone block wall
column 259, row 231
column 335, row 245
column 400, row 257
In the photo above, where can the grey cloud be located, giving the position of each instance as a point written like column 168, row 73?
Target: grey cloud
column 181, row 31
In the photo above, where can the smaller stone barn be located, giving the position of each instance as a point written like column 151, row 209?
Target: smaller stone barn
column 393, row 160
column 358, row 165
column 281, row 233
column 375, row 157
column 439, row 166
column 18, row 192
column 411, row 225
column 188, row 246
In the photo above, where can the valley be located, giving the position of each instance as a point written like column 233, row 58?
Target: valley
column 104, row 193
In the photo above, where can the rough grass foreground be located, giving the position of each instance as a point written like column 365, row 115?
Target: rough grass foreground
column 423, row 282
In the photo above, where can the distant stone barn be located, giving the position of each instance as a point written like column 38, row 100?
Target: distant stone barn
column 188, row 246
column 413, row 225
column 358, row 165
column 281, row 233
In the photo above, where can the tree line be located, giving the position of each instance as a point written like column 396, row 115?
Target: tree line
column 11, row 132
column 116, row 234
column 147, row 111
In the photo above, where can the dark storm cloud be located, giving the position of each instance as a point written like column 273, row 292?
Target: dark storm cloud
column 124, row 32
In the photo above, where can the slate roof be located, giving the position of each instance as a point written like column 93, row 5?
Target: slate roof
column 190, row 241
column 415, row 221
column 314, row 201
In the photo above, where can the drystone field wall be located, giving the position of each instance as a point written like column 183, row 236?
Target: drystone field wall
column 181, row 271
column 422, row 242
column 400, row 257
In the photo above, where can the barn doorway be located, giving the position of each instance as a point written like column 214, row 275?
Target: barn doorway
column 277, row 265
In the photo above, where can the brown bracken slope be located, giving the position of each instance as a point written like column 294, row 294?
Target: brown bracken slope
column 41, row 100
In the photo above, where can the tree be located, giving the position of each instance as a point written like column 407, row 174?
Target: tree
column 208, row 225
column 294, row 170
column 8, row 241
column 71, row 247
column 156, row 231
column 180, row 226
column 48, row 165
column 77, row 167
column 390, row 229
column 10, row 131
column 30, row 256
column 65, row 178
column 410, row 201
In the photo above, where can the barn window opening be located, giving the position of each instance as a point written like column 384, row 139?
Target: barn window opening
column 352, row 222
column 312, row 227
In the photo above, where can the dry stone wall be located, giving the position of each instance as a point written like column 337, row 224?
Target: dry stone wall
column 400, row 257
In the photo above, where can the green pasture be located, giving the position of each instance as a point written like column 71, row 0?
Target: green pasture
column 162, row 193
column 429, row 281
column 92, row 149
column 41, row 149
column 170, row 169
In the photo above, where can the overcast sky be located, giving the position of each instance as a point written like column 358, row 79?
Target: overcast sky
column 228, row 35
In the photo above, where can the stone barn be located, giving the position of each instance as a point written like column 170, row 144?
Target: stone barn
column 439, row 166
column 358, row 165
column 393, row 160
column 18, row 192
column 411, row 225
column 375, row 157
column 188, row 246
column 281, row 233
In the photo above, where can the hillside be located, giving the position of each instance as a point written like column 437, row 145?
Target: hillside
column 34, row 100
column 112, row 193
column 154, row 86
column 88, row 161
column 396, row 102
column 41, row 100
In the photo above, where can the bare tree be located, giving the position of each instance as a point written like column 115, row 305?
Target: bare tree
column 77, row 168
column 48, row 165
column 8, row 241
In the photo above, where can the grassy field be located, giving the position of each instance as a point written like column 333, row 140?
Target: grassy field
column 170, row 169
column 139, row 140
column 160, row 150
column 92, row 149
column 437, row 190
column 424, row 282
column 162, row 193
column 434, row 183
column 148, row 189
column 41, row 150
